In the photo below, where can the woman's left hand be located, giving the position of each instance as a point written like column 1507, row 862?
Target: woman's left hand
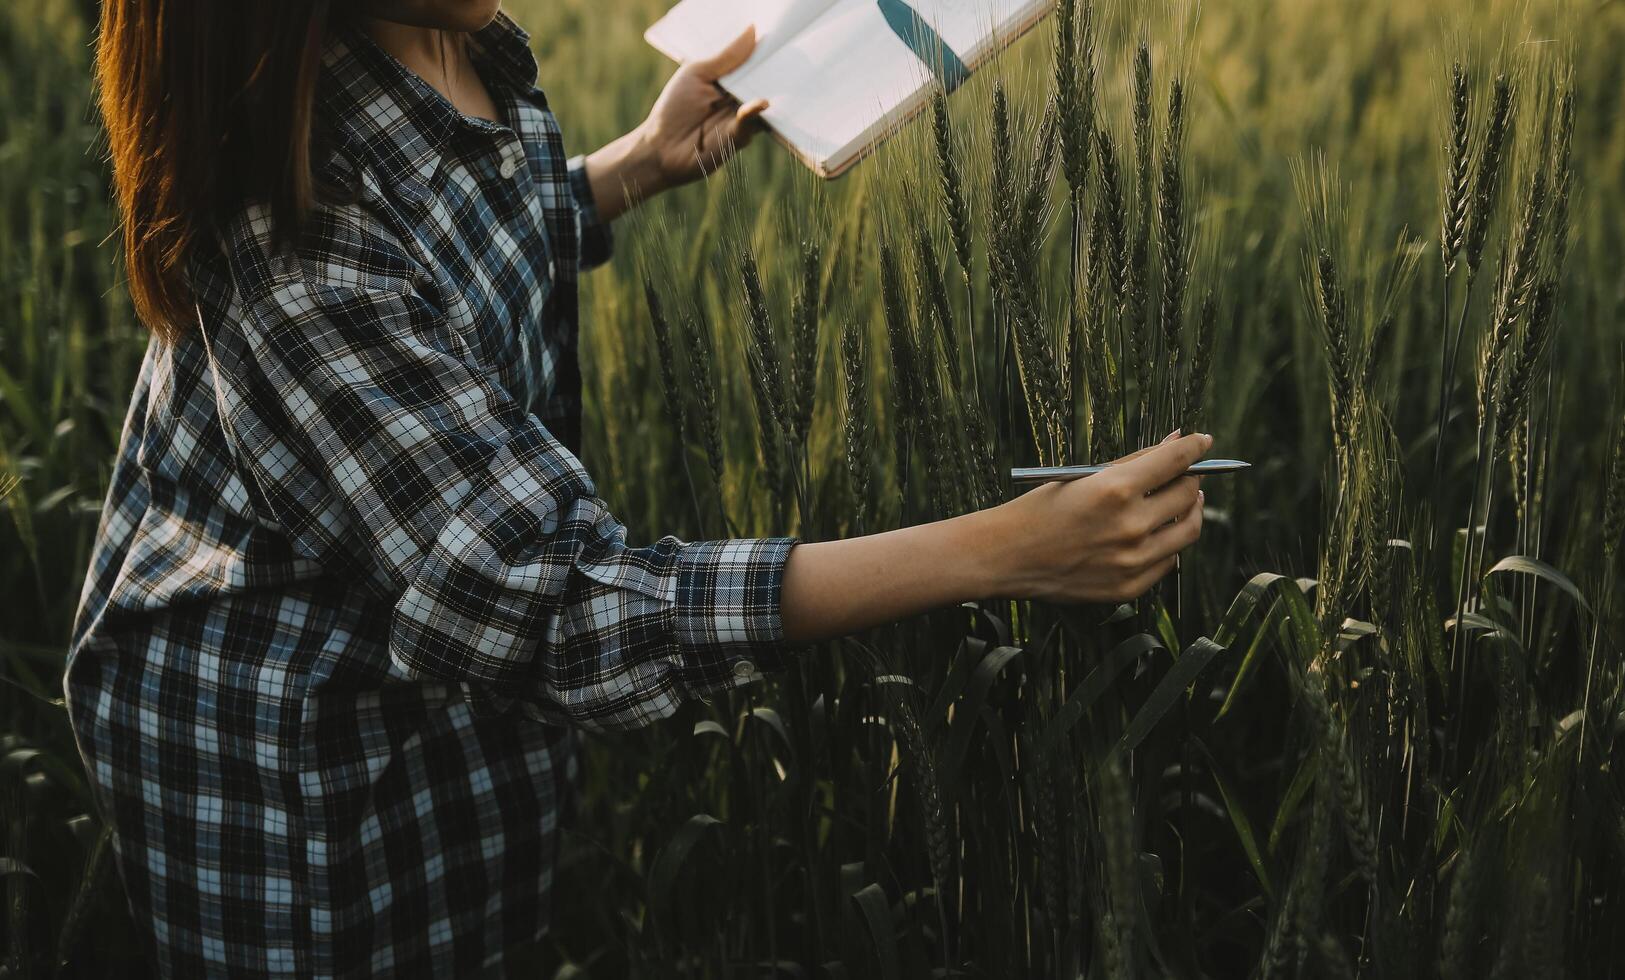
column 695, row 126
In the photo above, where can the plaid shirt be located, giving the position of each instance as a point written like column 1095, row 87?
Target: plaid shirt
column 351, row 585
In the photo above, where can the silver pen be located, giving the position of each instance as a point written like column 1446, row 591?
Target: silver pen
column 1033, row 475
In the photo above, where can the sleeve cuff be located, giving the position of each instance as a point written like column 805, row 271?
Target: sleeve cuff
column 597, row 241
column 729, row 624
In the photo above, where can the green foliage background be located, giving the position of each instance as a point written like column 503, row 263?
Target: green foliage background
column 794, row 828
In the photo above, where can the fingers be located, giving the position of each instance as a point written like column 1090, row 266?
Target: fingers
column 1159, row 553
column 1164, row 463
column 726, row 130
column 1171, row 502
column 750, row 110
column 729, row 58
column 746, row 121
column 1136, row 454
column 1164, row 546
column 1182, row 533
column 1143, row 582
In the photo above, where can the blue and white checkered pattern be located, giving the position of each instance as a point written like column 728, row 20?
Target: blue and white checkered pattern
column 352, row 586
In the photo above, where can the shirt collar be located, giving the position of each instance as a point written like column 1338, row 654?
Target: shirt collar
column 396, row 119
column 506, row 46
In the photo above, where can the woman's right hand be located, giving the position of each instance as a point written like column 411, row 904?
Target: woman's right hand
column 1108, row 537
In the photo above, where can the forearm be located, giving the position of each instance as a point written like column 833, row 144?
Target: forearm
column 623, row 173
column 835, row 588
column 1105, row 539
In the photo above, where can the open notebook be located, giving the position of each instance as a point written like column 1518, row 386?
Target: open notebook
column 842, row 75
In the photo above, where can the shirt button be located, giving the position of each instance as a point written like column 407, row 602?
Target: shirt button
column 510, row 166
column 744, row 668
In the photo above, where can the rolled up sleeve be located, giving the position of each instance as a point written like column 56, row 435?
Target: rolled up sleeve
column 728, row 602
column 385, row 451
column 597, row 240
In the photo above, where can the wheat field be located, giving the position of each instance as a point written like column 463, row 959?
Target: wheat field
column 1372, row 726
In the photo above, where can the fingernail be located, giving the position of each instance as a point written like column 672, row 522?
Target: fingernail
column 1201, row 496
column 1170, row 435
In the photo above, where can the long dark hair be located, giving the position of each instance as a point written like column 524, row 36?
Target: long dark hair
column 207, row 104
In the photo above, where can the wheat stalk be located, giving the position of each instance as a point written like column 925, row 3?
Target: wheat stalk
column 1562, row 178
column 1613, row 519
column 1112, row 214
column 1035, row 190
column 1074, row 85
column 1467, row 215
column 975, row 448
column 1536, row 338
column 950, row 182
column 697, row 348
column 1460, row 920
column 1278, row 944
column 855, row 409
column 1118, row 926
column 1377, row 516
column 905, row 386
column 1105, row 400
column 1003, row 166
column 766, row 374
column 1369, row 362
column 1201, row 366
column 932, row 426
column 1075, row 89
column 1516, row 272
column 1139, row 272
column 1517, row 269
column 956, row 207
column 1074, row 158
column 669, row 386
column 935, row 291
column 1014, row 261
column 938, row 835
column 1314, row 859
column 1518, row 262
column 1047, row 825
column 1080, row 874
column 941, row 450
column 1040, row 378
column 1486, row 182
column 1332, row 307
column 1510, row 684
column 1453, row 227
column 764, row 344
column 1362, row 837
column 803, row 363
column 1173, row 244
column 1143, row 136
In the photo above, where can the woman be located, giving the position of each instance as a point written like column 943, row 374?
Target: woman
column 352, row 589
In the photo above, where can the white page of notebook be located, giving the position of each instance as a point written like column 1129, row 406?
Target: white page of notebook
column 700, row 28
column 839, row 82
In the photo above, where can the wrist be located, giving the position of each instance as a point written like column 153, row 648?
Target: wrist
column 986, row 545
column 624, row 172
